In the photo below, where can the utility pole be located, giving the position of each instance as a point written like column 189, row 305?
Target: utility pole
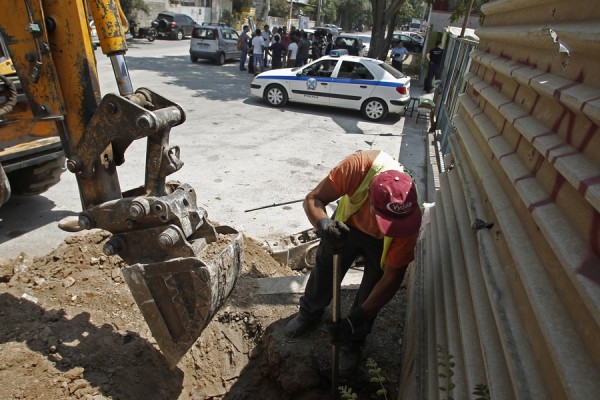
column 290, row 18
column 319, row 18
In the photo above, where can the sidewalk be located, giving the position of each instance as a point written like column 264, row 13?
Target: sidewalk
column 415, row 146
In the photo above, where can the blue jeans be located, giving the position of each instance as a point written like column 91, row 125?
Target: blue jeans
column 319, row 288
column 243, row 57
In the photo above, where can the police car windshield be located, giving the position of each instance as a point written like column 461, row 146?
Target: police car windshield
column 392, row 71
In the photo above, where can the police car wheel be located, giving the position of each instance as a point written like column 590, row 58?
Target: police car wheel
column 374, row 109
column 276, row 95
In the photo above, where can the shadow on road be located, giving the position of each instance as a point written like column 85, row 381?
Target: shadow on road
column 116, row 362
column 23, row 214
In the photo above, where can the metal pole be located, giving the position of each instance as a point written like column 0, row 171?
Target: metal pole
column 290, row 19
column 467, row 15
column 335, row 318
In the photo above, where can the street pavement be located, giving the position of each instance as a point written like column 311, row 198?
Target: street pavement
column 239, row 153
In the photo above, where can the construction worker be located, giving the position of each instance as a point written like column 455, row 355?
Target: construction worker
column 378, row 218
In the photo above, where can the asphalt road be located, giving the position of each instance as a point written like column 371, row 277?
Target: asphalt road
column 239, row 153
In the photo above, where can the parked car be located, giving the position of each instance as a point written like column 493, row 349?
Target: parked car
column 411, row 44
column 416, row 36
column 174, row 26
column 324, row 30
column 96, row 40
column 335, row 30
column 214, row 42
column 358, row 83
column 352, row 43
column 365, row 39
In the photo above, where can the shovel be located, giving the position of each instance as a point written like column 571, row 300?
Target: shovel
column 335, row 318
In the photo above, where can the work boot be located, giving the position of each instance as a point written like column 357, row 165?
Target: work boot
column 301, row 323
column 348, row 361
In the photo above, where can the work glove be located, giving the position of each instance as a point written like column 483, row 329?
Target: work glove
column 355, row 326
column 333, row 234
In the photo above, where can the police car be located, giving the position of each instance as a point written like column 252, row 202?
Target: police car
column 338, row 80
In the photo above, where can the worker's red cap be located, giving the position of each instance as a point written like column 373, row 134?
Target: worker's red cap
column 394, row 199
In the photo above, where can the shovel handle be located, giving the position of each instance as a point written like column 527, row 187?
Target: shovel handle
column 335, row 318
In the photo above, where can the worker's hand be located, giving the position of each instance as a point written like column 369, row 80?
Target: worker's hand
column 354, row 326
column 333, row 234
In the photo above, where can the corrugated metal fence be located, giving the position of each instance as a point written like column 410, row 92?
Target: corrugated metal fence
column 504, row 294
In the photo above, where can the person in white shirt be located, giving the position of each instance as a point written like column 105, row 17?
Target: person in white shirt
column 267, row 38
column 292, row 52
column 258, row 48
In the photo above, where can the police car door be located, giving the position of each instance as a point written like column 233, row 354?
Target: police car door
column 312, row 82
column 351, row 85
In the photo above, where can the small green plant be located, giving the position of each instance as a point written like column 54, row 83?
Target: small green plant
column 482, row 391
column 446, row 371
column 347, row 393
column 376, row 377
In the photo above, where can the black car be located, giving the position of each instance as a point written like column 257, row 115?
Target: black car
column 174, row 26
column 411, row 44
column 351, row 43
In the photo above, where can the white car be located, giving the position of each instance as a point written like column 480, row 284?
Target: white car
column 358, row 83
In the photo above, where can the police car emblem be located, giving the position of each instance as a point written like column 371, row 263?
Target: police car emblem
column 311, row 84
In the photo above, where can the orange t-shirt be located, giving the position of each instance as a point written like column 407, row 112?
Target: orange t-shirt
column 345, row 178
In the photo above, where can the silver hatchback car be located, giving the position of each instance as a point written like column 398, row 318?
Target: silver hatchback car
column 214, row 42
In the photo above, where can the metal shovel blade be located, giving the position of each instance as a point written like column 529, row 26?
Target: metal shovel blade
column 178, row 297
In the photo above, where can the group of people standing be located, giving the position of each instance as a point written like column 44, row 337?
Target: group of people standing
column 292, row 49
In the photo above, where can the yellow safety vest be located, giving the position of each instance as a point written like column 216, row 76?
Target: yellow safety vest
column 350, row 205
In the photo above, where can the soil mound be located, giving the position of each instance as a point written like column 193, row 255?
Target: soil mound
column 71, row 330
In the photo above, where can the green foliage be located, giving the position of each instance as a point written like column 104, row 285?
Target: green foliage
column 482, row 391
column 376, row 377
column 446, row 368
column 227, row 17
column 130, row 6
column 460, row 10
column 347, row 394
column 409, row 10
column 239, row 6
column 279, row 8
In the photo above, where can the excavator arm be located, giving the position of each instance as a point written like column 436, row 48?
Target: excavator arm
column 181, row 268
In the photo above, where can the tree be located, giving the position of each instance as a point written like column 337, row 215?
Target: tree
column 385, row 16
column 279, row 8
column 130, row 7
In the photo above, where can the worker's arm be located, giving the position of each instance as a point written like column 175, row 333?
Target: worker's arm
column 315, row 201
column 383, row 291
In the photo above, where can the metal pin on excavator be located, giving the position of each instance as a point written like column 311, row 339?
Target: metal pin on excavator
column 157, row 228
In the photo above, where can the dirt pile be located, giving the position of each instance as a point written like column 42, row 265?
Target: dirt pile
column 71, row 330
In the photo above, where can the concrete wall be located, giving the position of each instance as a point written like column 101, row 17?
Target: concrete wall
column 438, row 20
column 507, row 276
column 199, row 13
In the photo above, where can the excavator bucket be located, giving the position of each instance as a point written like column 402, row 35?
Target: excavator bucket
column 179, row 297
column 181, row 268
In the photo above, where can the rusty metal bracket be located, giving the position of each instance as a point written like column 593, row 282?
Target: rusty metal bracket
column 121, row 120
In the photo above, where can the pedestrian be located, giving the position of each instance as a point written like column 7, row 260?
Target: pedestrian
column 434, row 56
column 277, row 51
column 315, row 51
column 285, row 41
column 378, row 218
column 292, row 52
column 245, row 39
column 328, row 44
column 258, row 45
column 267, row 38
column 399, row 54
column 304, row 46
